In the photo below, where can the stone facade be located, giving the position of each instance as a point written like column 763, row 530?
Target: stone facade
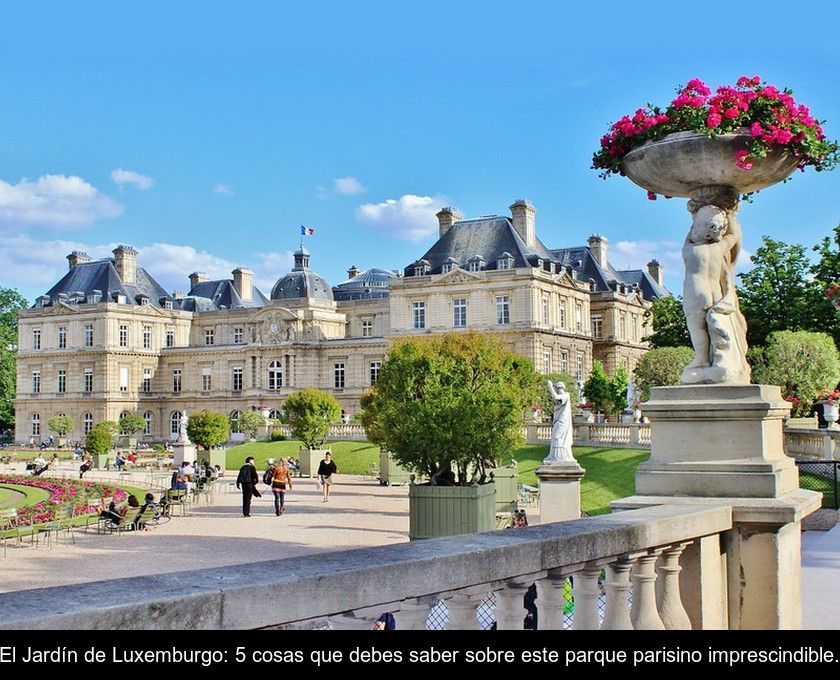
column 107, row 339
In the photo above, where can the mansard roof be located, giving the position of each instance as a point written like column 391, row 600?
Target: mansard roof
column 369, row 284
column 487, row 237
column 607, row 279
column 101, row 275
column 222, row 294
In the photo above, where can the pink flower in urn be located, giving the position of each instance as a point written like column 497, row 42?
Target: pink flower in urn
column 713, row 119
column 741, row 160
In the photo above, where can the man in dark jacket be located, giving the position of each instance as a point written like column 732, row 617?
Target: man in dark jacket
column 247, row 481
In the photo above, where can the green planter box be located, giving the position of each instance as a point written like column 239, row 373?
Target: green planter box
column 310, row 459
column 100, row 460
column 449, row 510
column 214, row 456
column 506, row 488
column 390, row 471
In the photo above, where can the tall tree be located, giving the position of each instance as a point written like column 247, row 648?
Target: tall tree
column 665, row 323
column 11, row 302
column 778, row 293
column 826, row 272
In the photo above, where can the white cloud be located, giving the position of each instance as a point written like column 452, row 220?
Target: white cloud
column 123, row 177
column 223, row 189
column 348, row 186
column 636, row 255
column 57, row 201
column 409, row 217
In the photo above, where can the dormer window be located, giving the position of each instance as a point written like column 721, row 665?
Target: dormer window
column 422, row 267
column 450, row 264
column 43, row 301
column 475, row 263
column 505, row 261
column 94, row 297
column 142, row 300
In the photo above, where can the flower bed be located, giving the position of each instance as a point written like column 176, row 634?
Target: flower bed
column 770, row 117
column 85, row 497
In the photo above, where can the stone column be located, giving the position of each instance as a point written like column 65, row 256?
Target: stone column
column 462, row 608
column 560, row 491
column 510, row 607
column 551, row 600
column 586, row 592
column 668, row 601
column 643, row 613
column 617, row 585
column 414, row 612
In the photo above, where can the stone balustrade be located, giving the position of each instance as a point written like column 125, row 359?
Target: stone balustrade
column 340, row 431
column 810, row 444
column 669, row 561
column 624, row 435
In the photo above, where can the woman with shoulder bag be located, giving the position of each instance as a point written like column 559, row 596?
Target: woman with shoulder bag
column 281, row 481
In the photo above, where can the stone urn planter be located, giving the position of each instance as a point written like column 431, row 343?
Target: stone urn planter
column 449, row 510
column 586, row 414
column 831, row 413
column 309, row 461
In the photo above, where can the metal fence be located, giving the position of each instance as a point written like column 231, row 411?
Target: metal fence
column 821, row 476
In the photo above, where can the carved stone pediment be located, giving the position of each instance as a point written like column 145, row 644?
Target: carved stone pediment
column 459, row 276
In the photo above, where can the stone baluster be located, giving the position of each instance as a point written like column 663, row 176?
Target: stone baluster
column 350, row 622
column 669, row 603
column 551, row 598
column 643, row 613
column 617, row 585
column 510, row 608
column 585, row 591
column 414, row 612
column 462, row 605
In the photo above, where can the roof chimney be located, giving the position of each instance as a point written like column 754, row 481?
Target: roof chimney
column 243, row 281
column 196, row 278
column 353, row 272
column 125, row 262
column 598, row 248
column 77, row 257
column 656, row 272
column 525, row 221
column 447, row 217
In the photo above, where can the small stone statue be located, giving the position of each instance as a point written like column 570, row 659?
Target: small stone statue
column 561, row 425
column 182, row 429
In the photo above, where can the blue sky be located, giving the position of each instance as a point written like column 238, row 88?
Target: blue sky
column 206, row 135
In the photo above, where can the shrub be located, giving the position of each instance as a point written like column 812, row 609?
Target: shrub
column 250, row 423
column 309, row 414
column 100, row 439
column 208, row 429
column 132, row 423
column 61, row 424
column 661, row 366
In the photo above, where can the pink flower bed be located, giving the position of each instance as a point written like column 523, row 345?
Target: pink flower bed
column 85, row 497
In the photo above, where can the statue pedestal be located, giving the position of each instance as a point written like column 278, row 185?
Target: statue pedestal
column 183, row 451
column 723, row 445
column 560, row 491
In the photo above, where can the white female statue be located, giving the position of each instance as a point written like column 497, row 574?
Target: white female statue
column 561, row 425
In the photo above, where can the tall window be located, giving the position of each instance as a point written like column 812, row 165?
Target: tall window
column 147, row 380
column 237, row 379
column 274, row 414
column 367, row 328
column 89, row 335
column 502, row 309
column 87, row 419
column 62, row 337
column 275, row 375
column 88, row 380
column 419, row 315
column 234, row 421
column 338, row 375
column 547, row 361
column 562, row 312
column 374, row 371
column 36, row 382
column 147, row 337
column 459, row 312
column 175, row 423
column 62, row 381
column 579, row 368
column 123, row 378
column 545, row 311
column 209, row 336
column 597, row 326
column 176, row 379
column 148, row 420
column 564, row 362
column 170, row 338
column 633, row 328
column 36, row 424
column 36, row 338
column 579, row 318
column 123, row 335
column 206, row 378
column 622, row 327
column 238, row 336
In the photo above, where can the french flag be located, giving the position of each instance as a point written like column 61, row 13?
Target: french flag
column 306, row 231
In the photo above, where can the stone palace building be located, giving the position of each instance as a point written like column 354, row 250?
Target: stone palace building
column 108, row 339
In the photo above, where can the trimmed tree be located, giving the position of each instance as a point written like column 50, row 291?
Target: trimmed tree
column 452, row 400
column 61, row 424
column 111, row 426
column 99, row 440
column 309, row 414
column 250, row 423
column 661, row 366
column 618, row 390
column 132, row 423
column 208, row 429
column 802, row 363
column 598, row 388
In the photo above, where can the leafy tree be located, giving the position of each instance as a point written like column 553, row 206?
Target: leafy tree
column 111, row 426
column 250, row 423
column 11, row 302
column 666, row 321
column 546, row 403
column 61, row 424
column 451, row 400
column 661, row 366
column 597, row 387
column 778, row 293
column 100, row 439
column 618, row 390
column 208, row 429
column 800, row 362
column 826, row 271
column 309, row 414
column 369, row 417
column 132, row 423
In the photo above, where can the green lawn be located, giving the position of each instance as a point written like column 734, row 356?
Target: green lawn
column 817, row 483
column 351, row 458
column 32, row 494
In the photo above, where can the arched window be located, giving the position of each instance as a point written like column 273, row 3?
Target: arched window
column 234, row 421
column 147, row 416
column 175, row 423
column 274, row 414
column 275, row 375
column 36, row 424
column 87, row 419
column 123, row 415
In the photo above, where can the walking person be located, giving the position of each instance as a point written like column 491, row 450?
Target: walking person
column 326, row 470
column 247, row 482
column 280, row 482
